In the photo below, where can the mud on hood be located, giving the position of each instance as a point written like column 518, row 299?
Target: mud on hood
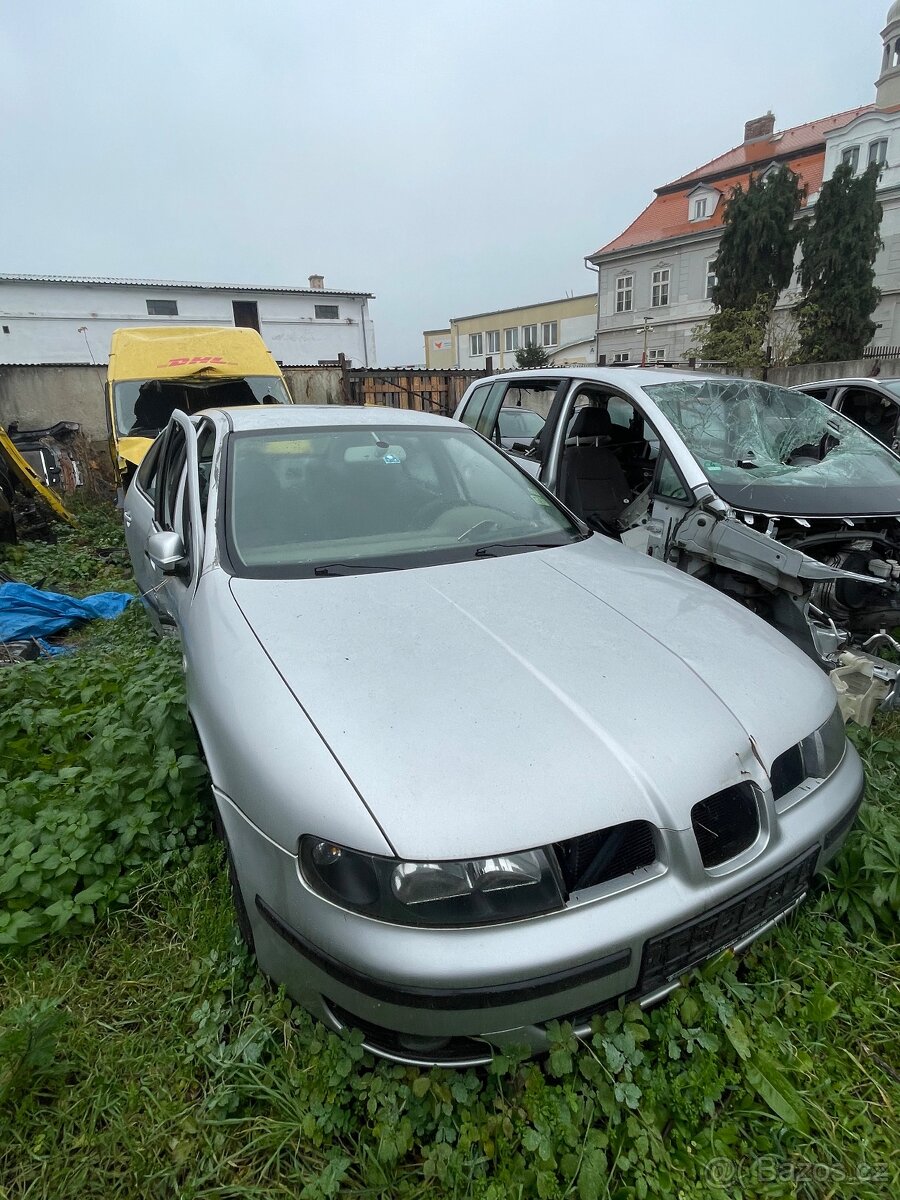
column 505, row 703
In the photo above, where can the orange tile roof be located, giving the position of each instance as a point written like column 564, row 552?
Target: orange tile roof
column 801, row 148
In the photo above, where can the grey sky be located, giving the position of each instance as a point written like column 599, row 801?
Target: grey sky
column 449, row 158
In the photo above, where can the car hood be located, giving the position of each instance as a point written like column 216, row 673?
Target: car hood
column 504, row 703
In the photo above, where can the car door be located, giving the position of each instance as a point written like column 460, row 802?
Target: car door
column 871, row 408
column 139, row 515
column 179, row 510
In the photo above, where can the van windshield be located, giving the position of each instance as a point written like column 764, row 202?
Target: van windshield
column 766, row 448
column 143, row 406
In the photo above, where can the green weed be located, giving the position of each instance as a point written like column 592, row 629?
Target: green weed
column 146, row 1057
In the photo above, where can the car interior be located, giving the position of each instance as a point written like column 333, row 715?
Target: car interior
column 608, row 459
column 872, row 411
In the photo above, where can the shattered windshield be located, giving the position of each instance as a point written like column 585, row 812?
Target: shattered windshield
column 143, row 406
column 767, row 448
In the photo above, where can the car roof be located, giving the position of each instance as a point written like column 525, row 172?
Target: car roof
column 856, row 380
column 308, row 416
column 634, row 376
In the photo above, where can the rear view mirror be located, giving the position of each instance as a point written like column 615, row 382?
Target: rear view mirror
column 166, row 551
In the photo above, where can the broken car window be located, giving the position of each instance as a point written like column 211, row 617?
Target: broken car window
column 747, row 435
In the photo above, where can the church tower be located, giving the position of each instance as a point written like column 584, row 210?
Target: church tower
column 887, row 89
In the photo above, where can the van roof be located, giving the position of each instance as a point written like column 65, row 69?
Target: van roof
column 177, row 352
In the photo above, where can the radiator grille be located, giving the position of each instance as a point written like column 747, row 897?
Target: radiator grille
column 787, row 772
column 725, row 824
column 605, row 854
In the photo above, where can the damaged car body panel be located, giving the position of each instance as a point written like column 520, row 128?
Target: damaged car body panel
column 767, row 494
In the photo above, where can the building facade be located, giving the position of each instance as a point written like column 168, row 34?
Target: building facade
column 59, row 319
column 564, row 328
column 655, row 279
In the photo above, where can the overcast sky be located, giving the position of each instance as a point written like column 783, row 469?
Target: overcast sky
column 450, row 158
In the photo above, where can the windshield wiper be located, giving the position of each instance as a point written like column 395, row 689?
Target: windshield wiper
column 352, row 568
column 487, row 550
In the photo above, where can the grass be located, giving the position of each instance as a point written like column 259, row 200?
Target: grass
column 142, row 1055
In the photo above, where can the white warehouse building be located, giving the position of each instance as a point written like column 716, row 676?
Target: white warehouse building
column 53, row 319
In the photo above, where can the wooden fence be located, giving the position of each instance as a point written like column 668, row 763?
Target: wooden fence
column 426, row 391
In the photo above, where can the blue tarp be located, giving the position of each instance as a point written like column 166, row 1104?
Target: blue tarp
column 27, row 612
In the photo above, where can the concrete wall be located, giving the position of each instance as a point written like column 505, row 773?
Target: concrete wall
column 788, row 376
column 74, row 322
column 314, row 385
column 39, row 396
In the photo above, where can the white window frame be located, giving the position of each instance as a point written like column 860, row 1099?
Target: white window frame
column 169, row 306
column 625, row 293
column 851, row 157
column 622, row 356
column 660, row 283
column 511, row 339
column 529, row 336
column 700, row 204
column 657, row 354
column 878, row 152
column 476, row 345
column 711, row 277
column 549, row 333
column 493, row 341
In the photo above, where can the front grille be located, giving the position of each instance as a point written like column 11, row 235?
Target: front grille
column 725, row 824
column 670, row 955
column 787, row 772
column 605, row 854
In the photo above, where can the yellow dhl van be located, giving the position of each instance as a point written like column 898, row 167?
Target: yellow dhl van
column 155, row 370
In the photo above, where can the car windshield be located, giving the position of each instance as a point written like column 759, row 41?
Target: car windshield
column 143, row 406
column 770, row 449
column 347, row 499
column 520, row 422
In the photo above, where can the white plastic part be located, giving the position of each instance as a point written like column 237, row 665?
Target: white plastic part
column 859, row 692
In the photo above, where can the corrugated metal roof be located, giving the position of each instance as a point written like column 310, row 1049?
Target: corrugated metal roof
column 173, row 283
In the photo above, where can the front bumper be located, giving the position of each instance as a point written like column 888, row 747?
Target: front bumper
column 439, row 996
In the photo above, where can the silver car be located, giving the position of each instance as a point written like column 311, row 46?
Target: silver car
column 477, row 768
column 765, row 493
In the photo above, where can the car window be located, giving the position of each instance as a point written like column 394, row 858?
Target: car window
column 475, row 405
column 519, row 423
column 762, row 446
column 206, row 443
column 869, row 408
column 171, row 477
column 347, row 499
column 148, row 471
column 668, row 485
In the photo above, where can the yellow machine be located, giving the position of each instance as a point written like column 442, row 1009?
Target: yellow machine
column 27, row 475
column 154, row 371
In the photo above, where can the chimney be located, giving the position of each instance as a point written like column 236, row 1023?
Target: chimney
column 317, row 282
column 759, row 127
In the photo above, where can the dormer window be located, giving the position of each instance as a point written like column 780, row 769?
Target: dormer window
column 701, row 202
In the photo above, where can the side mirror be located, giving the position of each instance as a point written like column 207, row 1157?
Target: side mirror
column 166, row 551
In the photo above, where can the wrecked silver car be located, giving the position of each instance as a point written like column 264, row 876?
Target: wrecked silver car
column 767, row 494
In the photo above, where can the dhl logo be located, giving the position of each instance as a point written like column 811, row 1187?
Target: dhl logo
column 198, row 360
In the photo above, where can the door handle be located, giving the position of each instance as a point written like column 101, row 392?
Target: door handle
column 126, row 517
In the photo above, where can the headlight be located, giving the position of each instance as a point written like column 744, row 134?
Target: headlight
column 823, row 750
column 476, row 891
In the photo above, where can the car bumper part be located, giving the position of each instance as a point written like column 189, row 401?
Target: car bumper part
column 452, row 997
